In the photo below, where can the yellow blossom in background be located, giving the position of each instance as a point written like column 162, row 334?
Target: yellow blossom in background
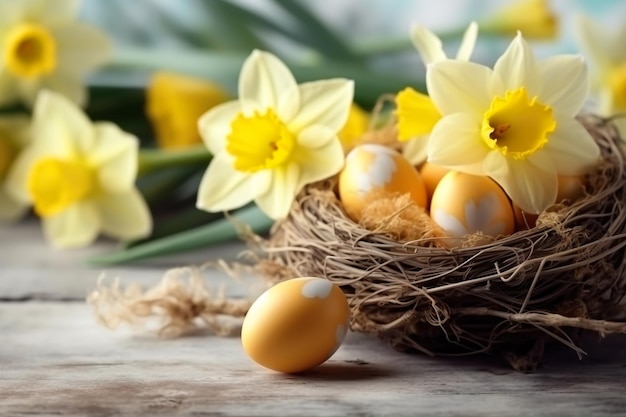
column 356, row 125
column 533, row 18
column 415, row 112
column 14, row 136
column 607, row 56
column 79, row 176
column 174, row 102
column 44, row 47
column 276, row 138
column 515, row 123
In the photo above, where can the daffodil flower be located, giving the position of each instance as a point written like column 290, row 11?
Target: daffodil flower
column 43, row 46
column 515, row 123
column 14, row 136
column 416, row 113
column 278, row 137
column 608, row 59
column 174, row 102
column 79, row 176
column 355, row 127
column 533, row 18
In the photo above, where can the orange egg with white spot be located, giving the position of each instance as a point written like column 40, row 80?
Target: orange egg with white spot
column 296, row 325
column 374, row 171
column 464, row 204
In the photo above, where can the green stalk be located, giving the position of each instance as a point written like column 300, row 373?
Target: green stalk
column 214, row 233
column 154, row 159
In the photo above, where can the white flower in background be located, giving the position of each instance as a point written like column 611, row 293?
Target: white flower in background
column 44, row 47
column 79, row 177
column 607, row 55
column 416, row 113
column 14, row 136
column 278, row 137
column 515, row 123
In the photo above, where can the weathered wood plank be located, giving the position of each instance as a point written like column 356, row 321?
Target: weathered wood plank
column 54, row 360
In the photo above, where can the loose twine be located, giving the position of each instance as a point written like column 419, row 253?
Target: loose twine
column 509, row 295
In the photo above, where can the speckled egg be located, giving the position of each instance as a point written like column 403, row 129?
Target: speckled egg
column 374, row 171
column 296, row 325
column 463, row 204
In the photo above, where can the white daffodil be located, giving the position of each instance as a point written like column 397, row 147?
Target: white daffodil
column 278, row 137
column 515, row 123
column 416, row 113
column 14, row 136
column 44, row 47
column 79, row 176
column 607, row 56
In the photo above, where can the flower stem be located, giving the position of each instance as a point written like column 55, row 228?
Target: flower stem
column 155, row 159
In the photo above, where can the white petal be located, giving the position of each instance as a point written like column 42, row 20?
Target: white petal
column 597, row 43
column 459, row 86
column 325, row 102
column 277, row 200
column 565, row 83
column 224, row 188
column 16, row 180
column 67, row 85
column 80, row 48
column 60, row 126
column 416, row 149
column 428, row 45
column 77, row 226
column 264, row 78
column 571, row 149
column 124, row 215
column 467, row 44
column 114, row 155
column 316, row 136
column 10, row 209
column 531, row 188
column 517, row 68
column 28, row 90
column 319, row 163
column 52, row 11
column 215, row 125
column 455, row 143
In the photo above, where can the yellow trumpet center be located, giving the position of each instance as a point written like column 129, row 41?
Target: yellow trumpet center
column 261, row 141
column 55, row 184
column 618, row 86
column 516, row 125
column 29, row 51
column 7, row 154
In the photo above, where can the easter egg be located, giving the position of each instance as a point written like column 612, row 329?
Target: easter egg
column 374, row 171
column 432, row 174
column 463, row 204
column 296, row 325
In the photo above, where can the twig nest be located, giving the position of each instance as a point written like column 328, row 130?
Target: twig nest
column 506, row 296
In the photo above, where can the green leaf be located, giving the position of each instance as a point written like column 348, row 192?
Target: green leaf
column 219, row 231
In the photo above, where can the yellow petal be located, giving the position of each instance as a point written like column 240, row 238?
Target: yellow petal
column 215, row 125
column 565, row 83
column 277, row 200
column 326, row 103
column 533, row 17
column 264, row 79
column 428, row 45
column 114, row 154
column 356, row 125
column 224, row 188
column 456, row 143
column 77, row 226
column 459, row 86
column 517, row 67
column 416, row 113
column 124, row 215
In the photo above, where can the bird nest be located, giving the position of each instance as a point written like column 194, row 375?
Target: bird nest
column 507, row 296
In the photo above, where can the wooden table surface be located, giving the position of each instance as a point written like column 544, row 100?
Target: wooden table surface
column 56, row 360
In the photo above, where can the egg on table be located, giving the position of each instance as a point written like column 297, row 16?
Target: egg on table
column 464, row 204
column 373, row 171
column 296, row 325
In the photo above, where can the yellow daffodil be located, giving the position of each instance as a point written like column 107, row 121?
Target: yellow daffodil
column 278, row 137
column 174, row 102
column 515, row 123
column 608, row 59
column 356, row 125
column 43, row 46
column 533, row 18
column 14, row 136
column 415, row 112
column 79, row 176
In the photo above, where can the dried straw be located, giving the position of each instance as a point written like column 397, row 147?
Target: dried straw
column 506, row 296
